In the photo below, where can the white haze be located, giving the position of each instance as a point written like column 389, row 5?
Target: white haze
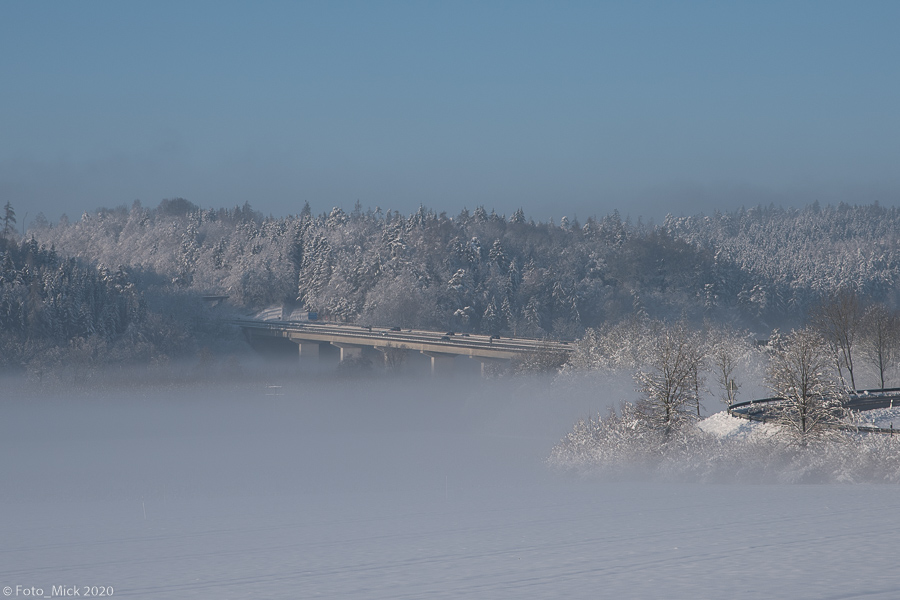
column 381, row 488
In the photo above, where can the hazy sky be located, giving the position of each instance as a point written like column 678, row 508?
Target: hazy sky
column 559, row 108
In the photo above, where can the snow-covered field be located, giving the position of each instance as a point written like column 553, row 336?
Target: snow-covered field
column 397, row 490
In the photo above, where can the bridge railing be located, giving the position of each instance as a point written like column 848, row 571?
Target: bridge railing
column 860, row 400
column 380, row 334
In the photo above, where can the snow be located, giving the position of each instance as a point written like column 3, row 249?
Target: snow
column 725, row 426
column 398, row 491
column 879, row 417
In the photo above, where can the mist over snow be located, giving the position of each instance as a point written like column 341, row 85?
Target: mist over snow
column 688, row 200
column 285, row 487
column 271, row 437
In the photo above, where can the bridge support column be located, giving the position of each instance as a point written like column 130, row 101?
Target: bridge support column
column 487, row 363
column 441, row 364
column 349, row 351
column 308, row 350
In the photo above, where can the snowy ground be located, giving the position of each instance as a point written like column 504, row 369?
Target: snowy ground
column 409, row 491
column 725, row 426
column 880, row 417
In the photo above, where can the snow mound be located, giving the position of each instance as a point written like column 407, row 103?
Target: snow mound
column 879, row 417
column 725, row 426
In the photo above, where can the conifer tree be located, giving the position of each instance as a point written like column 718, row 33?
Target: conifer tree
column 9, row 219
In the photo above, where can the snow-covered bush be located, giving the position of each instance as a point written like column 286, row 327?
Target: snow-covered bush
column 722, row 449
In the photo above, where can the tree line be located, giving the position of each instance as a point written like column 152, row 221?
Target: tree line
column 812, row 368
column 60, row 312
column 479, row 271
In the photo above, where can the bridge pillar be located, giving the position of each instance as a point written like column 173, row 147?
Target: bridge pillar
column 349, row 351
column 441, row 363
column 487, row 363
column 308, row 350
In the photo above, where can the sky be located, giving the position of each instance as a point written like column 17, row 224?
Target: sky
column 559, row 108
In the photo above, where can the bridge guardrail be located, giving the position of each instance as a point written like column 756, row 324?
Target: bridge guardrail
column 514, row 345
column 859, row 400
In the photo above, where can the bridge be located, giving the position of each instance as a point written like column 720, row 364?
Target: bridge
column 441, row 348
column 858, row 400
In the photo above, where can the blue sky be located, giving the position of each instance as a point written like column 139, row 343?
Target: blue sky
column 559, row 108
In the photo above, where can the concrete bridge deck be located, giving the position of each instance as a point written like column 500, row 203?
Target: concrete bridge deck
column 351, row 339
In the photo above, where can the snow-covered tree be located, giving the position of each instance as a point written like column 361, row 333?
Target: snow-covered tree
column 800, row 372
column 670, row 384
column 727, row 350
column 880, row 343
column 9, row 219
column 491, row 320
column 757, row 268
column 839, row 320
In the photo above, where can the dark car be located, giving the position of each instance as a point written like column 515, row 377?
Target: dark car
column 395, row 329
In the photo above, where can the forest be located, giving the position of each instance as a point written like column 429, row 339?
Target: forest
column 125, row 284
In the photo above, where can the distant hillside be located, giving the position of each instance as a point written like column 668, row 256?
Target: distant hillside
column 480, row 271
column 67, row 312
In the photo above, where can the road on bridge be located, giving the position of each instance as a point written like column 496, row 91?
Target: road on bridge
column 449, row 343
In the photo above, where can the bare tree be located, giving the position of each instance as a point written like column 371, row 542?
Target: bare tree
column 727, row 349
column 672, row 381
column 880, row 343
column 394, row 356
column 547, row 359
column 626, row 344
column 839, row 321
column 800, row 373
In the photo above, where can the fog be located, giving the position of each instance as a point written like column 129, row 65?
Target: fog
column 290, row 486
column 276, row 437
